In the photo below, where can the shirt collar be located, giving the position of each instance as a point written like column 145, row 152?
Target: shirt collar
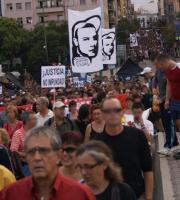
column 177, row 66
column 56, row 184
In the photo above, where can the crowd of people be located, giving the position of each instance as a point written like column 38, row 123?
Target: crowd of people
column 98, row 150
column 145, row 49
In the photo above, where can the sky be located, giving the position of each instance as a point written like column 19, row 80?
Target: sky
column 151, row 7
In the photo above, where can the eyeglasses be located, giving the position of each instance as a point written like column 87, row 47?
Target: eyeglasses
column 114, row 110
column 87, row 167
column 69, row 149
column 41, row 150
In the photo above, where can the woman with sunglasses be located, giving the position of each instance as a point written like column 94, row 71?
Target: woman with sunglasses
column 94, row 160
column 70, row 142
column 96, row 127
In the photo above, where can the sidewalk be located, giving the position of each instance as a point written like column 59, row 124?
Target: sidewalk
column 167, row 174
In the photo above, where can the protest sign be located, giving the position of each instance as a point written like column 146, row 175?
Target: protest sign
column 52, row 76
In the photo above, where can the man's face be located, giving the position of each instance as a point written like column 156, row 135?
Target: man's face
column 32, row 121
column 41, row 158
column 137, row 112
column 39, row 106
column 162, row 65
column 108, row 46
column 112, row 112
column 87, row 44
column 59, row 112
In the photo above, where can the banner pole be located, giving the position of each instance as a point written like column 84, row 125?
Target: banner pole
column 54, row 95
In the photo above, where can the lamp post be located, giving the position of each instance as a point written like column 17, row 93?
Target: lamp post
column 45, row 36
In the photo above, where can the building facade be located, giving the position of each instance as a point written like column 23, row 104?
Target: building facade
column 28, row 13
column 168, row 9
column 22, row 11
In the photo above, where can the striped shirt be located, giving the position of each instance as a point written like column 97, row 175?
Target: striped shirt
column 17, row 143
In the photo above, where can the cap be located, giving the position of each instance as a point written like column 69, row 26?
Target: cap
column 59, row 104
column 146, row 70
column 110, row 35
column 94, row 20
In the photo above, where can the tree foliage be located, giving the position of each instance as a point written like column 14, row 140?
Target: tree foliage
column 124, row 28
column 30, row 45
column 12, row 39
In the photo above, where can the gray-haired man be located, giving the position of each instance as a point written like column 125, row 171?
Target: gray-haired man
column 42, row 147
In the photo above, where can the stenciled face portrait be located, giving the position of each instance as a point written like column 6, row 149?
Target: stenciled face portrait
column 86, row 38
column 108, row 44
column 87, row 44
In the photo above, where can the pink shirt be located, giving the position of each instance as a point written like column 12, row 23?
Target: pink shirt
column 17, row 143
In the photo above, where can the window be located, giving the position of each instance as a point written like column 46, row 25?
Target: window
column 94, row 1
column 59, row 3
column 28, row 5
column 9, row 6
column 20, row 20
column 42, row 19
column 60, row 17
column 18, row 6
column 71, row 3
column 29, row 20
column 82, row 2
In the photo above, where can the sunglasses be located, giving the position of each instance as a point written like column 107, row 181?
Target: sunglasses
column 109, row 111
column 69, row 149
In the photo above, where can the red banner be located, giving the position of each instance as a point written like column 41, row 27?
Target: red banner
column 25, row 107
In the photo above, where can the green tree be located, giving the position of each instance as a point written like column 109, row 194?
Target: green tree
column 12, row 38
column 57, row 44
column 124, row 28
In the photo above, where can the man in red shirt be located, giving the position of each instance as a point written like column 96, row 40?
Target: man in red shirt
column 42, row 147
column 172, row 72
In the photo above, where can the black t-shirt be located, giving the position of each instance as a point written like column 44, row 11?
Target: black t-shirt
column 125, row 193
column 131, row 151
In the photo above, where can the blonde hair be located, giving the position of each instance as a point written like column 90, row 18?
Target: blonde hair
column 13, row 109
column 4, row 136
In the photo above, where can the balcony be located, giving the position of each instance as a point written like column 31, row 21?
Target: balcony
column 50, row 9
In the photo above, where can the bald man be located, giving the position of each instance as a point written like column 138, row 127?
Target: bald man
column 130, row 150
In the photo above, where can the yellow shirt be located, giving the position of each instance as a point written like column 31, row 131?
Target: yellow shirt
column 6, row 177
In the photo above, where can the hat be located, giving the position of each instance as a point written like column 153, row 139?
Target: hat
column 146, row 70
column 94, row 20
column 110, row 35
column 59, row 104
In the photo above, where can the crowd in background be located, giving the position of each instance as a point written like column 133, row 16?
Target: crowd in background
column 105, row 144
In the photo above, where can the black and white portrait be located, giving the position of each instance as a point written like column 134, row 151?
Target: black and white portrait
column 85, row 40
column 109, row 46
column 133, row 40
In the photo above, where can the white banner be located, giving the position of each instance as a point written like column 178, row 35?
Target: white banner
column 133, row 40
column 85, row 38
column 52, row 76
column 89, row 79
column 77, row 83
column 109, row 46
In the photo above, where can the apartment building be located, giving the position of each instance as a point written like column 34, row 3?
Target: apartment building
column 168, row 9
column 28, row 13
column 22, row 11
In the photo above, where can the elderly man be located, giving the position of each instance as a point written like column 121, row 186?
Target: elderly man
column 130, row 150
column 42, row 147
column 43, row 112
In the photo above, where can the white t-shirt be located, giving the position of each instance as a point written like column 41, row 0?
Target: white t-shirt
column 42, row 119
column 149, row 126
